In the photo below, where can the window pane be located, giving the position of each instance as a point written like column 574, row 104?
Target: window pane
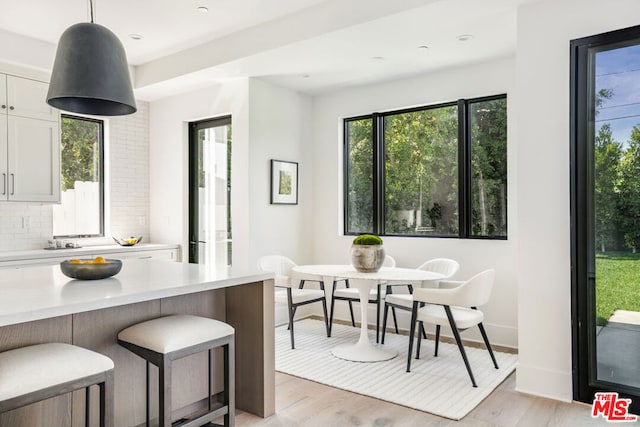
column 421, row 177
column 489, row 168
column 81, row 208
column 359, row 200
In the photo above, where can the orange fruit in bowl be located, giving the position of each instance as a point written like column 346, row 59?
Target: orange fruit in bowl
column 75, row 261
column 99, row 260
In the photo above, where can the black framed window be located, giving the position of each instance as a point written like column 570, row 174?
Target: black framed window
column 438, row 170
column 81, row 211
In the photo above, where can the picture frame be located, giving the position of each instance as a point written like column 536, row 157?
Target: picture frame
column 284, row 182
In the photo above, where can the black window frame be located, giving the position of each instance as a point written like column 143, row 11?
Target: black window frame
column 464, row 169
column 101, row 172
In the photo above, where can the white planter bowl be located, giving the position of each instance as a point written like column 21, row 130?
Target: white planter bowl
column 367, row 258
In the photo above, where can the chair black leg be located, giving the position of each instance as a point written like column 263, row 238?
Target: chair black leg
column 456, row 334
column 486, row 342
column 292, row 312
column 435, row 353
column 420, row 329
column 384, row 322
column 353, row 320
column 333, row 303
column 412, row 330
column 378, row 316
column 326, row 318
column 395, row 319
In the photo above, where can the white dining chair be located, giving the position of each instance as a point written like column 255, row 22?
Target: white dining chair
column 444, row 266
column 454, row 304
column 295, row 295
column 352, row 295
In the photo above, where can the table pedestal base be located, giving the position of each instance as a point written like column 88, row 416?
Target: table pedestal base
column 363, row 352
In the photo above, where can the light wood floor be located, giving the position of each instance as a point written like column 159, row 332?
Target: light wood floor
column 305, row 403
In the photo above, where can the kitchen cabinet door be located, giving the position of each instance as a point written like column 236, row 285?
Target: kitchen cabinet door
column 28, row 98
column 33, row 160
column 4, row 171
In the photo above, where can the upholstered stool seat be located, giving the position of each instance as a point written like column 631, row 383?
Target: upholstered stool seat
column 38, row 372
column 162, row 340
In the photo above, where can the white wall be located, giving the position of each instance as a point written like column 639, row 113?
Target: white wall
column 489, row 78
column 544, row 282
column 280, row 123
column 168, row 157
column 268, row 122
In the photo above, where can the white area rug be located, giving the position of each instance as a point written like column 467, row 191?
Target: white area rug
column 439, row 385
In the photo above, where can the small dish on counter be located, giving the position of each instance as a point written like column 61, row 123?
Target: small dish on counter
column 129, row 241
column 91, row 269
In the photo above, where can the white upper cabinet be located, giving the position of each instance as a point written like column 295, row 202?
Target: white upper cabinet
column 29, row 142
column 28, row 98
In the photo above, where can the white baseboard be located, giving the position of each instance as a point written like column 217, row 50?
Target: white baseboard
column 542, row 382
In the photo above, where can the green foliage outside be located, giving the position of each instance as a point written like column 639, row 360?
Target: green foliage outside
column 80, row 141
column 421, row 171
column 367, row 239
column 617, row 284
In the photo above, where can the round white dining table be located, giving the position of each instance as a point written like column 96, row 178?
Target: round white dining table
column 364, row 350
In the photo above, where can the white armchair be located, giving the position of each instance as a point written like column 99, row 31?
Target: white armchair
column 352, row 294
column 444, row 266
column 454, row 304
column 295, row 296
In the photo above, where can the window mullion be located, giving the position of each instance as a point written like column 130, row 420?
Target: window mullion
column 464, row 170
column 378, row 174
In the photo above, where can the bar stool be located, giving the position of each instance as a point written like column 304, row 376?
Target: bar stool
column 38, row 372
column 161, row 341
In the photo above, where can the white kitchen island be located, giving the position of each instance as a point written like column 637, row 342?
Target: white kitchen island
column 39, row 304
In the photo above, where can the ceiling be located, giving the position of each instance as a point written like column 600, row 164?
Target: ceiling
column 313, row 46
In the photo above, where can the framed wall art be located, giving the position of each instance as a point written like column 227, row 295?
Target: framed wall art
column 284, row 182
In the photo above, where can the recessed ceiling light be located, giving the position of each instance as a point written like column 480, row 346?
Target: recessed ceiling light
column 465, row 37
column 305, row 76
column 135, row 36
column 424, row 46
column 202, row 9
column 378, row 58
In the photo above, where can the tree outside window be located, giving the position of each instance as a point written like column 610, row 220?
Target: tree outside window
column 443, row 173
column 81, row 210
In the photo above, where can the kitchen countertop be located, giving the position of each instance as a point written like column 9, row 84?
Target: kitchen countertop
column 41, row 292
column 85, row 250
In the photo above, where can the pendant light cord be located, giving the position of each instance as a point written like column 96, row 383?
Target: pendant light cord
column 91, row 8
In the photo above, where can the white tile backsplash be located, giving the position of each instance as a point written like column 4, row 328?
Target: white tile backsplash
column 128, row 175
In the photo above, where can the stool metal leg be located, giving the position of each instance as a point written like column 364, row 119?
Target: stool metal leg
column 230, row 383
column 87, row 406
column 147, row 411
column 164, row 382
column 209, row 381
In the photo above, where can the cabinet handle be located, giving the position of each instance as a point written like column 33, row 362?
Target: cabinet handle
column 12, row 108
column 4, row 106
column 4, row 184
column 13, row 184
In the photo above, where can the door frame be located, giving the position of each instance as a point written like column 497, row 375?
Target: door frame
column 194, row 220
column 582, row 174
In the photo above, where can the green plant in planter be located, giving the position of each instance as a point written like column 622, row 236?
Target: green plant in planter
column 367, row 253
column 367, row 239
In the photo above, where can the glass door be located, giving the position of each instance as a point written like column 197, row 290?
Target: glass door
column 209, row 192
column 606, row 215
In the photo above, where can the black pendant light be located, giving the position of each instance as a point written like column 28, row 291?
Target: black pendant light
column 90, row 73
